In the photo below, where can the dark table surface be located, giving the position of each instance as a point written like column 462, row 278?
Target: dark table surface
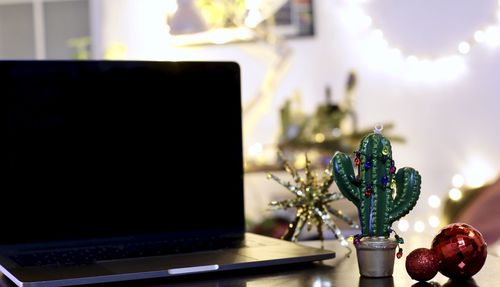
column 341, row 271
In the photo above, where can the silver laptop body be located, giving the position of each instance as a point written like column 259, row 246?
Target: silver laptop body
column 124, row 170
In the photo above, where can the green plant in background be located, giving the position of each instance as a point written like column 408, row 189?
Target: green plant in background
column 81, row 46
column 381, row 194
column 222, row 13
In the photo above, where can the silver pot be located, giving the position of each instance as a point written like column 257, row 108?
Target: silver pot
column 376, row 256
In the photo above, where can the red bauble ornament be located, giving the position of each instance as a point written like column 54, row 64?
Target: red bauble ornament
column 461, row 250
column 422, row 264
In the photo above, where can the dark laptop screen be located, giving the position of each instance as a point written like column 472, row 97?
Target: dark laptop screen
column 111, row 148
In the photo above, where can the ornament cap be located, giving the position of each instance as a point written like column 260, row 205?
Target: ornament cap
column 378, row 128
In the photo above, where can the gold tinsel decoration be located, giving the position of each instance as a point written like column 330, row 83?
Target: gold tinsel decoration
column 312, row 202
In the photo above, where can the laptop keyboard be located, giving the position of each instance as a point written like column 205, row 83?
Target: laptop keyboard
column 89, row 255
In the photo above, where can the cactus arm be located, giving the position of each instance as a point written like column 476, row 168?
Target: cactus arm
column 408, row 190
column 345, row 178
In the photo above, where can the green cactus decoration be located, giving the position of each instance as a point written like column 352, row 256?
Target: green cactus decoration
column 381, row 194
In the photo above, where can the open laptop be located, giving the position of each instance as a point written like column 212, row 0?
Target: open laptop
column 123, row 170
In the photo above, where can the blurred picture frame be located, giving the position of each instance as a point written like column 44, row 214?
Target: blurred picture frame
column 295, row 19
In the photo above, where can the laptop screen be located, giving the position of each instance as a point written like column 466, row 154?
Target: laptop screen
column 119, row 148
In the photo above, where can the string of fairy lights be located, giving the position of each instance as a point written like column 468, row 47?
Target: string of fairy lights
column 380, row 53
column 476, row 174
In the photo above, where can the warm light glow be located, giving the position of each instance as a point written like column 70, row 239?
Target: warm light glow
column 318, row 282
column 434, row 221
column 478, row 172
column 492, row 36
column 253, row 4
column 377, row 34
column 455, row 194
column 479, row 36
column 319, row 137
column 255, row 149
column 300, row 161
column 403, row 225
column 366, row 21
column 379, row 54
column 171, row 6
column 355, row 18
column 464, row 47
column 412, row 60
column 442, row 69
column 253, row 18
column 216, row 36
column 458, row 180
column 434, row 201
column 419, row 226
column 395, row 52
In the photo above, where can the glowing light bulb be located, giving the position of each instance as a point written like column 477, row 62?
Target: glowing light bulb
column 434, row 201
column 412, row 60
column 419, row 226
column 395, row 52
column 403, row 225
column 171, row 7
column 252, row 4
column 253, row 18
column 492, row 36
column 478, row 172
column 458, row 181
column 455, row 194
column 479, row 36
column 319, row 137
column 366, row 21
column 378, row 34
column 434, row 221
column 464, row 47
column 255, row 149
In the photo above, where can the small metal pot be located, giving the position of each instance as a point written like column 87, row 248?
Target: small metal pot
column 376, row 256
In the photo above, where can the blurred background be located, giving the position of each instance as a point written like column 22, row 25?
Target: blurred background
column 317, row 75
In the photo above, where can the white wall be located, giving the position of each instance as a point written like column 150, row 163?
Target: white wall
column 449, row 113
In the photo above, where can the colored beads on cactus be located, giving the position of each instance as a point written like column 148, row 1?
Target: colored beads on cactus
column 392, row 170
column 368, row 164
column 385, row 180
column 385, row 151
column 368, row 190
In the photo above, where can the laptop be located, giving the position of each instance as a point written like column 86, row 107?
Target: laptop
column 124, row 170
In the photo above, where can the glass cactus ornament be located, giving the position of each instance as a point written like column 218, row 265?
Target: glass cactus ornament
column 381, row 193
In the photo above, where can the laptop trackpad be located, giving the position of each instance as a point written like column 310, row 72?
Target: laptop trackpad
column 209, row 259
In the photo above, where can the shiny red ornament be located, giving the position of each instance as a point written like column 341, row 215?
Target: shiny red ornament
column 357, row 161
column 400, row 253
column 422, row 264
column 461, row 250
